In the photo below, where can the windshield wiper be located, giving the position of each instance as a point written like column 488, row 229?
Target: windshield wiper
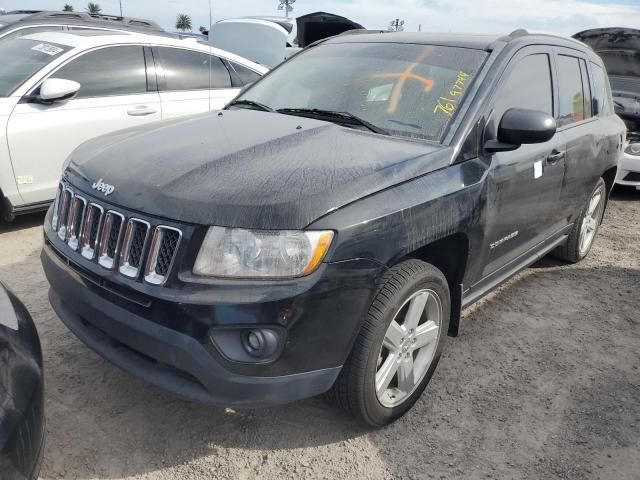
column 344, row 117
column 251, row 103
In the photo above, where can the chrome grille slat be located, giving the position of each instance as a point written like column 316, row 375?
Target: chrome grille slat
column 56, row 206
column 63, row 213
column 135, row 240
column 75, row 219
column 126, row 245
column 91, row 231
column 162, row 254
column 110, row 239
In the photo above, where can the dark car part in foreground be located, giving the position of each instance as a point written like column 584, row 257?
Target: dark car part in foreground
column 21, row 392
column 326, row 229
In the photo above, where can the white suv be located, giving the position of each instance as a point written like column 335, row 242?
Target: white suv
column 58, row 90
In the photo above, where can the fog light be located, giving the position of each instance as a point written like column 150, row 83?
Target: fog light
column 249, row 344
column 260, row 343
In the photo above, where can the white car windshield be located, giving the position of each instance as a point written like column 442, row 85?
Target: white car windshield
column 21, row 58
column 401, row 89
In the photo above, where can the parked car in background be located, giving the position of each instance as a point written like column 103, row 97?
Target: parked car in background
column 58, row 90
column 21, row 392
column 265, row 40
column 26, row 22
column 619, row 49
column 326, row 229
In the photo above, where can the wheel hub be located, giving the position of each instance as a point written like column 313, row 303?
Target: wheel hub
column 408, row 347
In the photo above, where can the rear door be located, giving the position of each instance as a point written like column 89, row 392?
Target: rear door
column 524, row 185
column 582, row 120
column 114, row 94
column 191, row 82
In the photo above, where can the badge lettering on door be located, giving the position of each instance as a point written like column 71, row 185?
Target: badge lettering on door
column 537, row 169
column 504, row 240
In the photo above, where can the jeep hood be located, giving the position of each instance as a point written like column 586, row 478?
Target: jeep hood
column 245, row 168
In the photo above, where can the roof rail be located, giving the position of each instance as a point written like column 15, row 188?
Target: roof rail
column 22, row 12
column 96, row 17
column 520, row 32
column 68, row 15
column 360, row 31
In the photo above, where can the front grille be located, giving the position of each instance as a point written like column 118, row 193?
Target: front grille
column 116, row 242
column 163, row 251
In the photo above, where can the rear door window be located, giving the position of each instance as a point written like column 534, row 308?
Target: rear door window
column 599, row 82
column 571, row 101
column 108, row 72
column 191, row 70
column 586, row 88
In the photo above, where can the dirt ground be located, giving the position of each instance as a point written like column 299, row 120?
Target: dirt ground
column 543, row 382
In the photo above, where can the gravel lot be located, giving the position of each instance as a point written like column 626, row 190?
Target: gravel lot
column 543, row 382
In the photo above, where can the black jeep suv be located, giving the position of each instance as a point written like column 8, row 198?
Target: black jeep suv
column 326, row 229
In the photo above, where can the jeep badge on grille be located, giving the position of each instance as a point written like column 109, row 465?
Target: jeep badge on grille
column 103, row 187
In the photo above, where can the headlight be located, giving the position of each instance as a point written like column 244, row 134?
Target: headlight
column 239, row 253
column 633, row 149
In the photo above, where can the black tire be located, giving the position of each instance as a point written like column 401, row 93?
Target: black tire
column 570, row 252
column 354, row 390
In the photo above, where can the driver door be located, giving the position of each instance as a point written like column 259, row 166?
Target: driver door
column 114, row 94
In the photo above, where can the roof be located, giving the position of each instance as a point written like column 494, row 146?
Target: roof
column 478, row 41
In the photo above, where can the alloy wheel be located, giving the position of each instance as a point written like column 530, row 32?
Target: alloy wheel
column 408, row 348
column 591, row 221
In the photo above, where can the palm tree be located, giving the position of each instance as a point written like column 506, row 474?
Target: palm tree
column 94, row 8
column 287, row 6
column 183, row 22
column 67, row 8
column 396, row 25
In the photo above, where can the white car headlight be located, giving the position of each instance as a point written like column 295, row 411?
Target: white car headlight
column 633, row 149
column 239, row 253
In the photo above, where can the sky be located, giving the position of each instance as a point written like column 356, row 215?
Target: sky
column 492, row 16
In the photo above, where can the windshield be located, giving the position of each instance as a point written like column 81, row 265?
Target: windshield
column 21, row 58
column 404, row 89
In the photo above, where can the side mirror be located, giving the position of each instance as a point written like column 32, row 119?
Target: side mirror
column 57, row 89
column 519, row 126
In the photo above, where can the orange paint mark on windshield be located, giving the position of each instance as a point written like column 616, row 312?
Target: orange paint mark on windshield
column 402, row 77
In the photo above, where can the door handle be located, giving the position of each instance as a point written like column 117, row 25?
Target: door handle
column 141, row 111
column 555, row 157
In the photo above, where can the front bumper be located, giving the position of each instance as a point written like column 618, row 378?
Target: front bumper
column 159, row 334
column 629, row 171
